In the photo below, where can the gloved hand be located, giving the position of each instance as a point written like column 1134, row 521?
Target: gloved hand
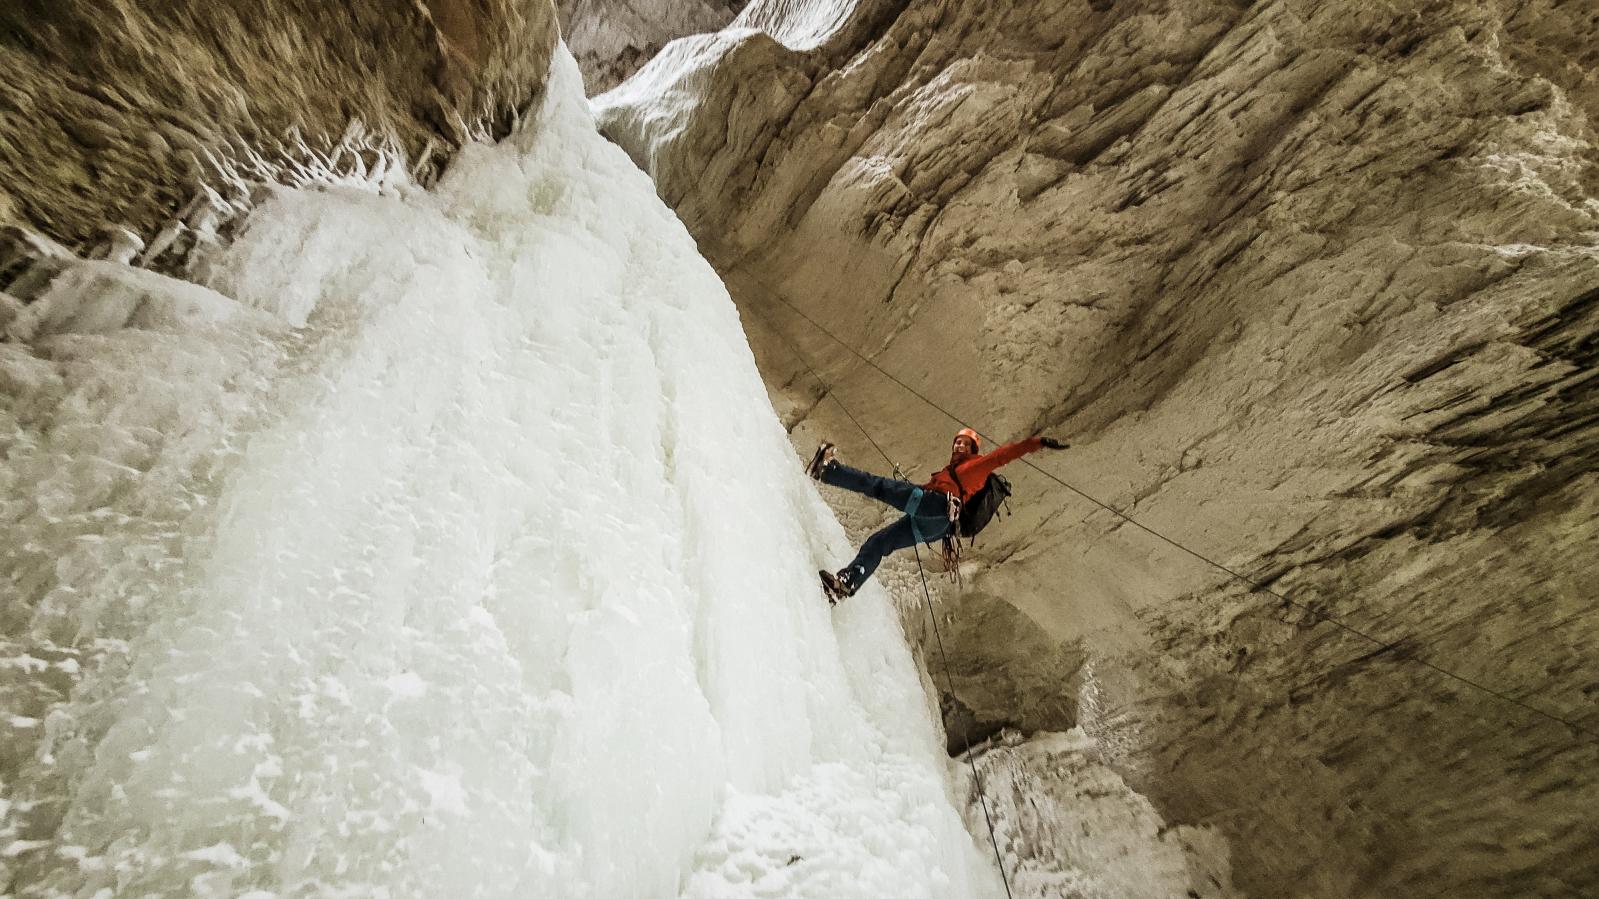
column 1052, row 443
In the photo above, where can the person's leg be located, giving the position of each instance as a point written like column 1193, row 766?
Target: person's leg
column 885, row 490
column 896, row 536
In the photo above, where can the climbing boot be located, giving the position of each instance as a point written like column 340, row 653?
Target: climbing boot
column 843, row 584
column 820, row 461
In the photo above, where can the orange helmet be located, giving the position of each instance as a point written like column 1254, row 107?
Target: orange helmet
column 977, row 442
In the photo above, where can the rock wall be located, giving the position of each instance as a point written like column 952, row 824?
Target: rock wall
column 1312, row 288
column 116, row 112
column 1069, row 827
column 611, row 40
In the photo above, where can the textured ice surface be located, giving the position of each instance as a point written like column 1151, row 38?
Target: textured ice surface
column 445, row 545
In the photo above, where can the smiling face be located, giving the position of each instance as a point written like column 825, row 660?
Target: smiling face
column 964, row 448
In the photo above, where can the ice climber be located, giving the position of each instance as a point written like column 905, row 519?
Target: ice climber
column 932, row 510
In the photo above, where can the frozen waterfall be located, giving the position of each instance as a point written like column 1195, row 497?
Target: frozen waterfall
column 444, row 544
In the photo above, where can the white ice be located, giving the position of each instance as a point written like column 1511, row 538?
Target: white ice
column 655, row 108
column 446, row 545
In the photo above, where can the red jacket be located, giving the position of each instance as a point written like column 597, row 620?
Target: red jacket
column 974, row 472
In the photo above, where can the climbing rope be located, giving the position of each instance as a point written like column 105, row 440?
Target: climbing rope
column 966, row 738
column 927, row 602
column 1253, row 585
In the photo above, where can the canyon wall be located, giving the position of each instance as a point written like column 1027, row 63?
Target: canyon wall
column 116, row 115
column 611, row 40
column 1313, row 290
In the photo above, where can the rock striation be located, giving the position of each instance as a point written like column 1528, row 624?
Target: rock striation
column 116, row 114
column 1313, row 290
column 611, row 40
column 1068, row 826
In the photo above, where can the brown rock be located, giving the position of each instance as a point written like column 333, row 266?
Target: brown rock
column 1311, row 288
column 611, row 40
column 115, row 111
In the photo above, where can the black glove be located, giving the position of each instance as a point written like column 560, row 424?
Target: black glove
column 1052, row 443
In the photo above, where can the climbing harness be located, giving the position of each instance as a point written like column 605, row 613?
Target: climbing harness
column 951, row 548
column 912, row 507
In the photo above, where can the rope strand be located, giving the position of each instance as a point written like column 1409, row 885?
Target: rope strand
column 966, row 739
column 927, row 599
column 1254, row 586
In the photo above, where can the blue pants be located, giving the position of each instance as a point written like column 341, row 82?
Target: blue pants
column 927, row 523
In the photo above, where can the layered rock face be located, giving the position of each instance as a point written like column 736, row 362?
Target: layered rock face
column 611, row 40
column 1313, row 290
column 1074, row 829
column 116, row 113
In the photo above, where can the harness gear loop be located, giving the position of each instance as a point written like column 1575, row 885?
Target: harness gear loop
column 951, row 549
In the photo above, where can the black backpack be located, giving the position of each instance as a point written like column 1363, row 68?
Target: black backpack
column 978, row 511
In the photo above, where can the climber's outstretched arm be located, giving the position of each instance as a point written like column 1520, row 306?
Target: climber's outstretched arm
column 975, row 471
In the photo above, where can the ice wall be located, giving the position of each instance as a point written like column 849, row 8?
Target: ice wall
column 447, row 545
